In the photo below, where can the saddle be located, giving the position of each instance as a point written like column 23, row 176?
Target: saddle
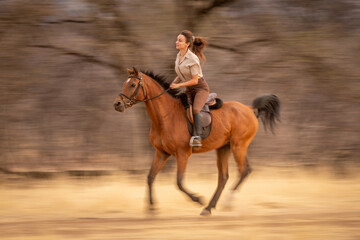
column 212, row 103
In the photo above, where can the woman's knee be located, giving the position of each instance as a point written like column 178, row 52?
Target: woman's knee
column 196, row 110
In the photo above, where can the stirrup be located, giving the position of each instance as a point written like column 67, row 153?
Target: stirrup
column 197, row 142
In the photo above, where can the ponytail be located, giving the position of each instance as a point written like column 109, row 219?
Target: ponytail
column 198, row 47
column 197, row 44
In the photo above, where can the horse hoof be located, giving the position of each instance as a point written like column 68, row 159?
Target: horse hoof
column 228, row 207
column 205, row 212
column 152, row 209
column 199, row 200
column 229, row 203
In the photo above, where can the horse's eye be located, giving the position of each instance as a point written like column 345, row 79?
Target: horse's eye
column 133, row 85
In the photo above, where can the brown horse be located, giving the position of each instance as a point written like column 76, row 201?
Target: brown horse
column 233, row 128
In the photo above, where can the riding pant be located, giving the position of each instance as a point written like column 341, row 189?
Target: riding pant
column 198, row 95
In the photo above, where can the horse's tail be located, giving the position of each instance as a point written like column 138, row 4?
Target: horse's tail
column 268, row 110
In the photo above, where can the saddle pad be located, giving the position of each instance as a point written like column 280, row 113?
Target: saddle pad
column 205, row 116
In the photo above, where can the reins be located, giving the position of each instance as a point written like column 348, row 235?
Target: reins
column 132, row 98
column 145, row 100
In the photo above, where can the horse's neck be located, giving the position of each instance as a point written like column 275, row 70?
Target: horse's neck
column 161, row 108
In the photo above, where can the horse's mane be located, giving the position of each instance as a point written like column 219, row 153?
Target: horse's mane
column 164, row 82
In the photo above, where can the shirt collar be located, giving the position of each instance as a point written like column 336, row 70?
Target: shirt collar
column 187, row 55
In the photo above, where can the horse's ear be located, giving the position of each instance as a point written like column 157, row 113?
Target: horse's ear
column 136, row 72
column 129, row 71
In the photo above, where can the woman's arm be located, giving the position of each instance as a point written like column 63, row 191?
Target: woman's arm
column 191, row 82
column 174, row 83
column 176, row 80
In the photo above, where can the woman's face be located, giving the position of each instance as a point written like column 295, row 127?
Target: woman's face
column 181, row 42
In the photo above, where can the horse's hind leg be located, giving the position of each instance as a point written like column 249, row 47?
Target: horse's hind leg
column 181, row 160
column 239, row 152
column 159, row 161
column 223, row 155
column 244, row 171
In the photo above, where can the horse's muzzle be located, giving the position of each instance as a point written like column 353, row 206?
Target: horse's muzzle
column 119, row 106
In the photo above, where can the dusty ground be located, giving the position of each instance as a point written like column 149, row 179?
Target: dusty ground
column 275, row 203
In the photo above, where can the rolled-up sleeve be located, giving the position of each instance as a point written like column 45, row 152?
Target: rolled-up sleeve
column 194, row 68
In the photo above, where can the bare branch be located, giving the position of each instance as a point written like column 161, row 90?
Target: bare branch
column 85, row 57
column 199, row 14
column 68, row 21
column 214, row 4
column 238, row 48
column 231, row 49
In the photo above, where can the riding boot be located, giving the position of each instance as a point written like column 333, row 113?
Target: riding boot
column 195, row 140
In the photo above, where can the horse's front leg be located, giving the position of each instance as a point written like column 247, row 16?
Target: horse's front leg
column 181, row 161
column 159, row 161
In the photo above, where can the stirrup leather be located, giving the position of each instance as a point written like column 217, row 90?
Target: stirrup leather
column 197, row 142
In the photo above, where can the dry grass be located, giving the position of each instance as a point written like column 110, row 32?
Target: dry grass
column 275, row 203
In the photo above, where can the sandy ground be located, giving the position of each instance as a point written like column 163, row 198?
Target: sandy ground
column 274, row 203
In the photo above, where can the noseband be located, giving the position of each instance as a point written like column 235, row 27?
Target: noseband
column 132, row 98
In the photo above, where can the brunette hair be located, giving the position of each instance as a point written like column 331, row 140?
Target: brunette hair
column 197, row 44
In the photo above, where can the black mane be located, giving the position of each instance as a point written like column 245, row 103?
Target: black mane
column 164, row 83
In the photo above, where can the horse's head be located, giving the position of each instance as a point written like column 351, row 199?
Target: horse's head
column 133, row 91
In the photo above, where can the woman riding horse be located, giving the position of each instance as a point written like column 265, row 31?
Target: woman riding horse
column 234, row 125
column 189, row 75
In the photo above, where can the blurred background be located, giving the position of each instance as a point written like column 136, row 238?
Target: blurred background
column 62, row 63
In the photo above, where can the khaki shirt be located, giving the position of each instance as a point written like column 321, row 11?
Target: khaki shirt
column 188, row 67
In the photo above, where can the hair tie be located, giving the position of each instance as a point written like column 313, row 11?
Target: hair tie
column 193, row 38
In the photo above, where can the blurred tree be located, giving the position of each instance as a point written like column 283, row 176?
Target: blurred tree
column 63, row 62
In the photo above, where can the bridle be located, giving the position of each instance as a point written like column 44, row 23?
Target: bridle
column 132, row 98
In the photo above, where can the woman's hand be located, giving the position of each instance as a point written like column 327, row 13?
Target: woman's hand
column 175, row 85
column 192, row 82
